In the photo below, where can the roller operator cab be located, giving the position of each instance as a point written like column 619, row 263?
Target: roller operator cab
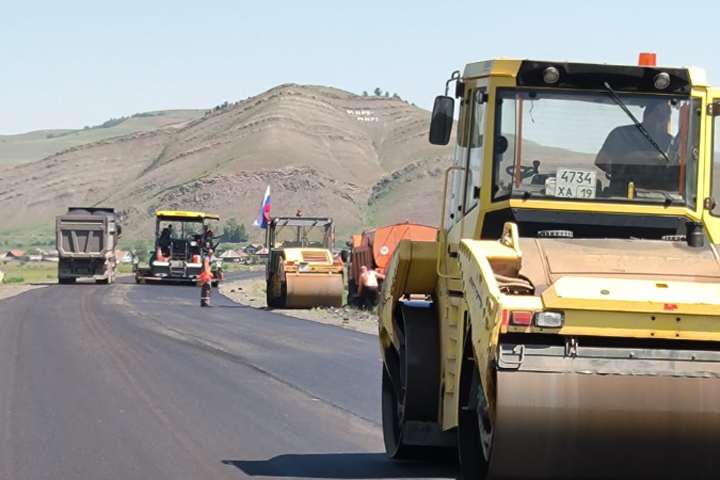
column 574, row 326
column 301, row 270
column 181, row 241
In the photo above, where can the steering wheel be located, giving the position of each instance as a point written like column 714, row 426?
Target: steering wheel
column 525, row 171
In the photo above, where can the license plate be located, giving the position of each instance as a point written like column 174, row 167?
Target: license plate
column 575, row 183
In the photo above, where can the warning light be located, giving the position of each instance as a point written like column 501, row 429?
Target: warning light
column 647, row 59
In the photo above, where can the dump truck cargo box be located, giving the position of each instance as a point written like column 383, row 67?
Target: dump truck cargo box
column 82, row 236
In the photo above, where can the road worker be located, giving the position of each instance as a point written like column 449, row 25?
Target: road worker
column 205, row 280
column 368, row 288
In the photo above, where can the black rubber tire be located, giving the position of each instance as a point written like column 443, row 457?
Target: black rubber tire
column 419, row 376
column 273, row 301
column 473, row 464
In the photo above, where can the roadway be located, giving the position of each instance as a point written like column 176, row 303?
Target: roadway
column 138, row 382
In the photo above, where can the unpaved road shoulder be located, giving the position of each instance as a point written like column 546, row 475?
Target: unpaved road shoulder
column 251, row 292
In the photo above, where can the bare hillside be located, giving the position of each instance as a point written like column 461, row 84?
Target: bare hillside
column 322, row 150
column 32, row 146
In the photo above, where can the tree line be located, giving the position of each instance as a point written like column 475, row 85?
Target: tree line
column 379, row 93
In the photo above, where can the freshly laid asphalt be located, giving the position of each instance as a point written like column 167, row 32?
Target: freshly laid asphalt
column 138, row 382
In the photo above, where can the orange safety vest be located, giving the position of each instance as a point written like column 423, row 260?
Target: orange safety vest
column 206, row 273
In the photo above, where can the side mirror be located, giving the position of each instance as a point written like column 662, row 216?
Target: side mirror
column 348, row 243
column 442, row 120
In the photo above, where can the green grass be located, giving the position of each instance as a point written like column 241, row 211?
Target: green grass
column 28, row 147
column 19, row 273
column 30, row 236
column 235, row 267
column 23, row 273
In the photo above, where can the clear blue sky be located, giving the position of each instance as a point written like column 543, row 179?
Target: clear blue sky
column 70, row 63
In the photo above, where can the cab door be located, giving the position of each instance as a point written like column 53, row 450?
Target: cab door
column 711, row 182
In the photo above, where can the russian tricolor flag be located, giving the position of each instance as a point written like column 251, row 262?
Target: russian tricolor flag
column 264, row 216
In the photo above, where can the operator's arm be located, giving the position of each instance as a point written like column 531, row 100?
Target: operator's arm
column 609, row 150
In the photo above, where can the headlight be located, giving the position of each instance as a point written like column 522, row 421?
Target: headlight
column 549, row 319
column 661, row 81
column 551, row 75
column 303, row 267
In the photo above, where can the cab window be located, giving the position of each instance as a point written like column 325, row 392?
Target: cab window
column 715, row 179
column 475, row 156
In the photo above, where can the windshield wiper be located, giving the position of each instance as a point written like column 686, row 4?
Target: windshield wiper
column 635, row 120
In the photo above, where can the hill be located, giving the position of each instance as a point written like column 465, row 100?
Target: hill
column 31, row 146
column 362, row 160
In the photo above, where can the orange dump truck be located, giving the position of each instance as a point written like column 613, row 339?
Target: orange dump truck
column 374, row 247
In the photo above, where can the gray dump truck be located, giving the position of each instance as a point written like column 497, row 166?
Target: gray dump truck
column 86, row 241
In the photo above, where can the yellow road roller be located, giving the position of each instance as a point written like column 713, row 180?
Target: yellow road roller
column 572, row 329
column 301, row 271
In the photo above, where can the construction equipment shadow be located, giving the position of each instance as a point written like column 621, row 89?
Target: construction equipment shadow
column 343, row 465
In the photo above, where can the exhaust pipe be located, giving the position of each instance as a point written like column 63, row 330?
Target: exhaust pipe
column 695, row 234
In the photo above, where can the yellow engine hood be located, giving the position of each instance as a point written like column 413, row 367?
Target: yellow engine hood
column 544, row 261
column 630, row 295
column 313, row 256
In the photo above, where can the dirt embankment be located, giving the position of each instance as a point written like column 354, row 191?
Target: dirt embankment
column 251, row 292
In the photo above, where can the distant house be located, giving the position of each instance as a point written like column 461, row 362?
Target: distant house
column 232, row 256
column 253, row 248
column 262, row 253
column 123, row 256
column 50, row 255
column 15, row 255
